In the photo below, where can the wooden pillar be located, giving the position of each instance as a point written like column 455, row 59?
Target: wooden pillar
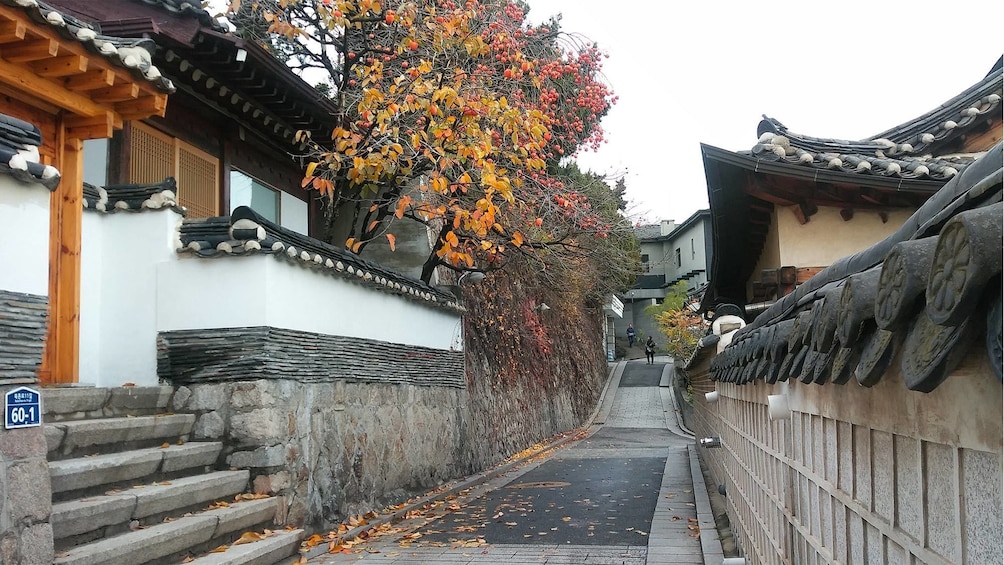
column 62, row 353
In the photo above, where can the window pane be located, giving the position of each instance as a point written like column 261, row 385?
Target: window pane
column 246, row 191
column 96, row 161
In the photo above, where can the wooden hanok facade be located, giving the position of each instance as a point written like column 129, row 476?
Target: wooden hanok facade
column 232, row 125
column 75, row 85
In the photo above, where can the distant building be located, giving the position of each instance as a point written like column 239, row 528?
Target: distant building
column 670, row 253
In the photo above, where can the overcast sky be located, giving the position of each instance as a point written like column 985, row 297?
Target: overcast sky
column 705, row 71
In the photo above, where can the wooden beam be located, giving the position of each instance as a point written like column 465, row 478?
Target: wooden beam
column 28, row 51
column 91, row 80
column 143, row 107
column 12, row 31
column 61, row 362
column 117, row 93
column 61, row 66
column 96, row 127
column 43, row 89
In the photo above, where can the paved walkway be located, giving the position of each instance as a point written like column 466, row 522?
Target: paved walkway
column 624, row 494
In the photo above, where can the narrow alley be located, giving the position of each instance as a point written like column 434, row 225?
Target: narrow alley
column 622, row 494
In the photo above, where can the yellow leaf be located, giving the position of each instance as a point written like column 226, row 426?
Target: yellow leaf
column 310, row 168
column 350, row 242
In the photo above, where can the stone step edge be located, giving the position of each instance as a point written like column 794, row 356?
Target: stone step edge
column 169, row 462
column 91, row 509
column 172, row 427
column 85, row 402
column 161, row 540
column 268, row 551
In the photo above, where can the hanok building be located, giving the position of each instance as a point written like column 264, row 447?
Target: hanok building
column 857, row 419
column 229, row 134
column 794, row 204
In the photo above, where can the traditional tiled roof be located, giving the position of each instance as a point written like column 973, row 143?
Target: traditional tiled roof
column 921, row 296
column 135, row 55
column 192, row 8
column 19, row 142
column 915, row 150
column 245, row 232
column 133, row 197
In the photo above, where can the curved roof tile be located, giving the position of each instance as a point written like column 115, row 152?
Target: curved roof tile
column 245, row 232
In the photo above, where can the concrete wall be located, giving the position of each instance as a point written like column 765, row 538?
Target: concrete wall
column 693, row 255
column 861, row 475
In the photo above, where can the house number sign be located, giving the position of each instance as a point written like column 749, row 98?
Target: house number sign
column 23, row 408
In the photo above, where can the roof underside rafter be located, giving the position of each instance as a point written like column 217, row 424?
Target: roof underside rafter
column 88, row 77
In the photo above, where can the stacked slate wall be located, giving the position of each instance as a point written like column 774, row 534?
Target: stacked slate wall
column 860, row 475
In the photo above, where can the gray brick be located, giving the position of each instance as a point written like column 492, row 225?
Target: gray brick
column 883, row 462
column 909, row 487
column 942, row 513
column 981, row 510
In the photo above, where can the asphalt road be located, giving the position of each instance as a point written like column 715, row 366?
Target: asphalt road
column 592, row 502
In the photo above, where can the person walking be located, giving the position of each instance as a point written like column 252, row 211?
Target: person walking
column 650, row 350
column 631, row 334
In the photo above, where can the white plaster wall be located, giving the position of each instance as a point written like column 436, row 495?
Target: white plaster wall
column 263, row 291
column 827, row 237
column 118, row 330
column 24, row 216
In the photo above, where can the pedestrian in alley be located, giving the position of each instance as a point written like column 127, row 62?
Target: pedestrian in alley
column 631, row 335
column 650, row 350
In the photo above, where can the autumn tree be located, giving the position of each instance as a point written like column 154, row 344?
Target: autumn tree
column 682, row 327
column 455, row 114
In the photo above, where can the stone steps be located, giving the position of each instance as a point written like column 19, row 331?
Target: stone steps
column 81, row 437
column 139, row 504
column 269, row 551
column 129, row 488
column 173, row 541
column 80, row 402
column 115, row 469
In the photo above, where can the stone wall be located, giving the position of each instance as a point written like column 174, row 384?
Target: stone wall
column 332, row 449
column 25, row 496
column 861, row 475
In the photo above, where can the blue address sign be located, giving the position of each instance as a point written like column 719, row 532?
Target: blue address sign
column 23, row 408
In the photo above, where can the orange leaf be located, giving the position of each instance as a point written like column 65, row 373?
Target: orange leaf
column 219, row 549
column 372, row 225
column 249, row 537
column 392, row 241
column 517, row 239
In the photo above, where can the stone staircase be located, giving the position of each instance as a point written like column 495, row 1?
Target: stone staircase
column 129, row 488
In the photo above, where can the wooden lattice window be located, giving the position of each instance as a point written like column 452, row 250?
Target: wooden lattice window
column 153, row 156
